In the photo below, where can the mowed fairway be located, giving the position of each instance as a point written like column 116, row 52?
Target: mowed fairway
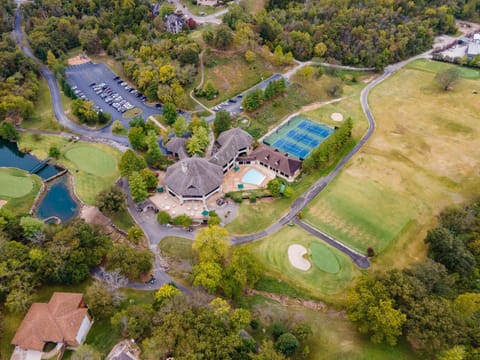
column 18, row 188
column 272, row 253
column 324, row 258
column 423, row 157
column 94, row 168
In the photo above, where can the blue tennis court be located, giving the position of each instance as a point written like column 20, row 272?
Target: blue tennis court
column 298, row 137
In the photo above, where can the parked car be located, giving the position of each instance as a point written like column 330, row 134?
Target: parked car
column 92, row 84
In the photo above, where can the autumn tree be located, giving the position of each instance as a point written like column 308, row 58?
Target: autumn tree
column 130, row 162
column 447, row 78
column 111, row 200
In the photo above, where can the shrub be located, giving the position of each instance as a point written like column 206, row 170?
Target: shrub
column 287, row 344
column 253, row 198
column 237, row 198
column 163, row 218
column 54, row 152
column 182, row 220
column 278, row 329
column 254, row 324
column 370, row 252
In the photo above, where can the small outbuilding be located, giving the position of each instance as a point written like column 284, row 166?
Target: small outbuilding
column 193, row 178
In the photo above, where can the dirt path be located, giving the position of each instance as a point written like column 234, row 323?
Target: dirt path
column 289, row 301
column 200, row 85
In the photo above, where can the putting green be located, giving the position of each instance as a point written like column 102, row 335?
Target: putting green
column 92, row 160
column 324, row 258
column 14, row 183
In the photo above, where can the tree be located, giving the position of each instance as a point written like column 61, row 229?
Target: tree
column 165, row 293
column 99, row 300
column 210, row 90
column 211, row 244
column 163, row 218
column 154, row 156
column 136, row 136
column 117, row 126
column 370, row 306
column 182, row 220
column 180, row 126
column 8, row 131
column 222, row 122
column 130, row 162
column 455, row 353
column 223, row 37
column 32, row 228
column 150, row 178
column 86, row 352
column 287, row 344
column 207, row 275
column 138, row 187
column 111, row 200
column 134, row 322
column 129, row 261
column 242, row 271
column 169, row 113
column 250, row 56
column 198, row 142
column 253, row 100
column 135, row 233
column 267, row 352
column 447, row 78
column 54, row 152
column 320, row 49
column 275, row 186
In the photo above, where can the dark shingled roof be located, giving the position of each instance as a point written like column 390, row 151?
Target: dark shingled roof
column 177, row 145
column 275, row 159
column 193, row 177
column 231, row 142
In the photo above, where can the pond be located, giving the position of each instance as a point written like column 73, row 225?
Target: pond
column 58, row 201
column 10, row 156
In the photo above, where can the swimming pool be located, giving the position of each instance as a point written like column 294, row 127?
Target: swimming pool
column 253, row 177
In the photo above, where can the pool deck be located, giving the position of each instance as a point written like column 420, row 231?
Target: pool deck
column 233, row 178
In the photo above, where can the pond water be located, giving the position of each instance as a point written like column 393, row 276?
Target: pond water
column 58, row 201
column 10, row 156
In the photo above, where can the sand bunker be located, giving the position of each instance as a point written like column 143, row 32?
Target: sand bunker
column 2, row 203
column 336, row 117
column 295, row 255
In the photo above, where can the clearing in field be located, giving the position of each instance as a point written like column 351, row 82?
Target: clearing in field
column 272, row 253
column 423, row 157
column 92, row 160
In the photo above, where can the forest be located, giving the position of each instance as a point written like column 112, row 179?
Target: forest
column 433, row 304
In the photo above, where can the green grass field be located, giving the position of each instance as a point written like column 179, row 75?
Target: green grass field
column 423, row 157
column 272, row 253
column 324, row 258
column 176, row 247
column 123, row 220
column 19, row 189
column 91, row 160
column 93, row 166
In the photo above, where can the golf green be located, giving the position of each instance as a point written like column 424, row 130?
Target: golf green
column 92, row 160
column 324, row 258
column 14, row 183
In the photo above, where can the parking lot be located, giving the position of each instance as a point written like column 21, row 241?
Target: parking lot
column 109, row 93
column 234, row 104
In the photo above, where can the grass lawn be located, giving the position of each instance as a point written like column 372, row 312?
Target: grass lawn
column 93, row 166
column 324, row 258
column 254, row 6
column 123, row 220
column 334, row 337
column 176, row 247
column 43, row 117
column 132, row 112
column 19, row 189
column 271, row 252
column 423, row 157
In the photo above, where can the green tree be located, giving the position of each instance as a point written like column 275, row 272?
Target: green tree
column 267, row 352
column 8, row 131
column 223, row 37
column 456, row 353
column 369, row 305
column 117, row 127
column 211, row 244
column 111, row 200
column 287, row 344
column 130, row 162
column 165, row 293
column 253, row 100
column 222, row 122
column 182, row 220
column 250, row 56
column 134, row 322
column 198, row 142
column 274, row 186
column 163, row 218
column 136, row 136
column 169, row 113
column 154, row 156
column 54, row 152
column 150, row 178
column 99, row 300
column 32, row 228
column 180, row 126
column 135, row 234
column 138, row 188
column 86, row 352
column 447, row 78
column 130, row 261
column 207, row 275
column 242, row 271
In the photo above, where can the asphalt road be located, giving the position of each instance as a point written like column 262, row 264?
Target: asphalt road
column 214, row 18
column 85, row 74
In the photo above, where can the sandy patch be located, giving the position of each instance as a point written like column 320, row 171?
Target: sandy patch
column 295, row 255
column 2, row 203
column 92, row 215
column 336, row 116
column 78, row 60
